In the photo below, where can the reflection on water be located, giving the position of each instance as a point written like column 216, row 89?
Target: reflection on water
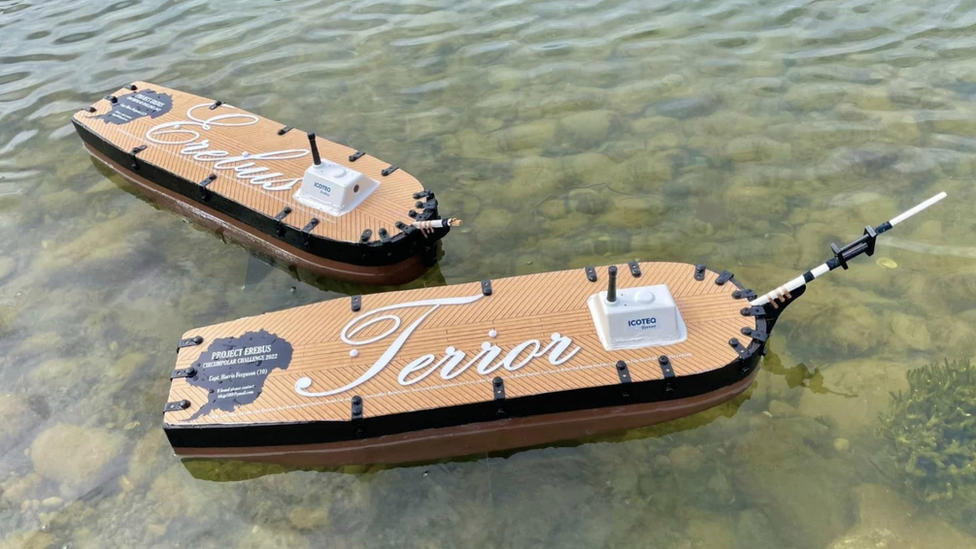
column 744, row 135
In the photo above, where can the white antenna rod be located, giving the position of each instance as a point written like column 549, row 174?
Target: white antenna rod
column 865, row 244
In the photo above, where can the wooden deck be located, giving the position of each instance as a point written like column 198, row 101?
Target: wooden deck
column 388, row 204
column 537, row 321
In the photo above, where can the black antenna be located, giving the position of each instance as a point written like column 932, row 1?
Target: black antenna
column 612, row 289
column 316, row 159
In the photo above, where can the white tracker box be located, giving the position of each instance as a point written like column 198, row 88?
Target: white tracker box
column 640, row 317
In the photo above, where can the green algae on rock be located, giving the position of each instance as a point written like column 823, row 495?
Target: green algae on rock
column 931, row 429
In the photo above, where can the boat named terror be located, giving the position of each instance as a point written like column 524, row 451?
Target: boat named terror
column 470, row 368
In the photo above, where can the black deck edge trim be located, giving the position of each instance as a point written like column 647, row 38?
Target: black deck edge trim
column 356, row 303
column 402, row 246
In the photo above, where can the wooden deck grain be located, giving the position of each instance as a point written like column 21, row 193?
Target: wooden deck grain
column 520, row 309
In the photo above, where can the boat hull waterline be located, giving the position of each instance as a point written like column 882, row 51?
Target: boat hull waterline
column 241, row 175
column 457, row 370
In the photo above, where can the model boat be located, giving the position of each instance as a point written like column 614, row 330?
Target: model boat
column 300, row 199
column 470, row 368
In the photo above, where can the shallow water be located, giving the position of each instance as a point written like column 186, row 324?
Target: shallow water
column 747, row 135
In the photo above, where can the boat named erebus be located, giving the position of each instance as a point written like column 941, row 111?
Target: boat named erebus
column 303, row 200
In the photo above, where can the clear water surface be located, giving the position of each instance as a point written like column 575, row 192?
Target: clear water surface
column 745, row 134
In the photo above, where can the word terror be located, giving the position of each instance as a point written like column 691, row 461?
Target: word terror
column 452, row 363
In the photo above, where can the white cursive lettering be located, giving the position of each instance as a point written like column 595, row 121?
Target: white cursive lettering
column 450, row 365
column 244, row 166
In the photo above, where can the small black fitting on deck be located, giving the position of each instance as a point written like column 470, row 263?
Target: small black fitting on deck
column 307, row 232
column 135, row 151
column 356, row 303
column 623, row 372
column 189, row 342
column 666, row 368
column 216, row 104
column 131, row 87
column 699, row 272
column 279, row 226
column 498, row 386
column 723, row 277
column 590, row 274
column 356, row 156
column 634, row 268
column 285, row 130
column 753, row 311
column 364, row 238
column 390, row 169
column 486, row 287
column 744, row 294
column 357, row 407
column 112, row 99
column 756, row 335
column 177, row 406
column 183, row 372
column 205, row 193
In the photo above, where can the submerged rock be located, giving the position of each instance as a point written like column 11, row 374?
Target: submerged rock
column 687, row 107
column 76, row 457
column 804, row 494
column 850, row 396
column 586, row 129
column 531, row 135
column 152, row 455
column 757, row 148
column 885, row 521
column 28, row 540
column 16, row 419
